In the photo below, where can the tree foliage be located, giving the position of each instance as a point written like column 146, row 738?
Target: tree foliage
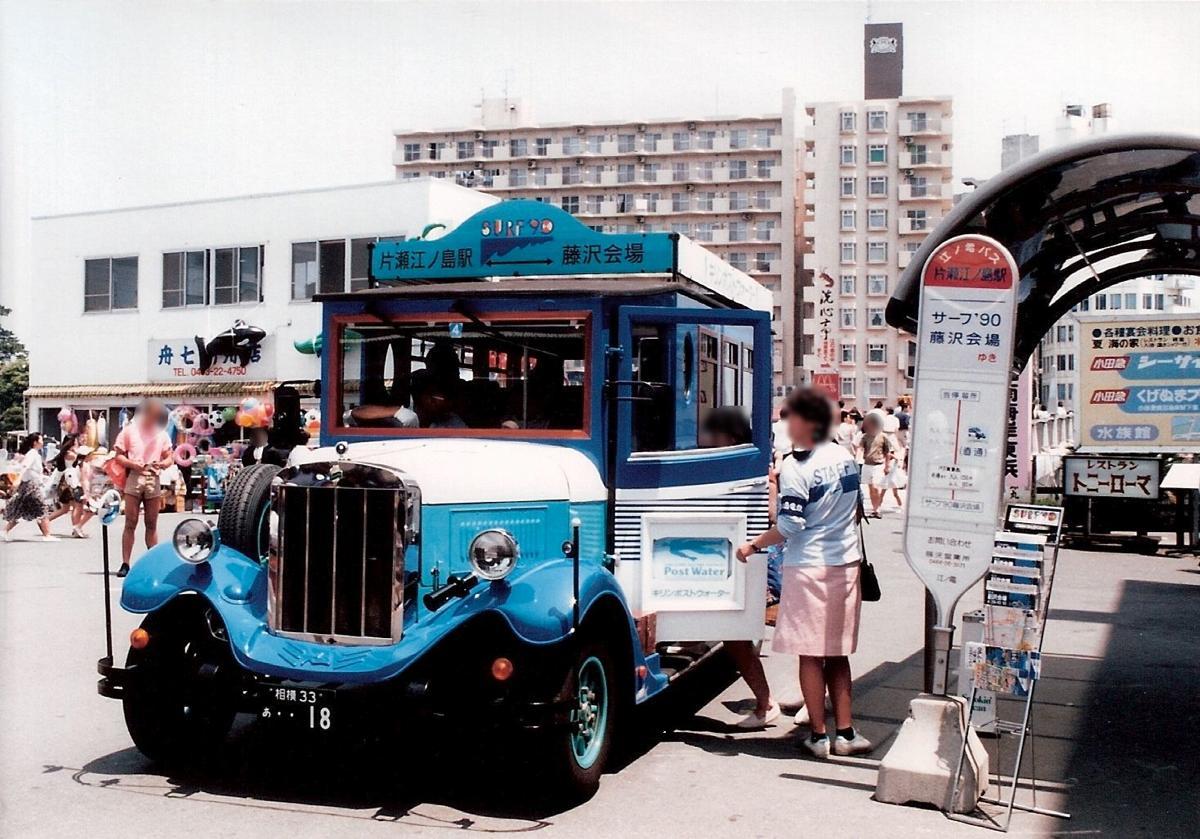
column 14, row 378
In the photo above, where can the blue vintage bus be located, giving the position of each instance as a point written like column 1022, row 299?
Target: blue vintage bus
column 515, row 517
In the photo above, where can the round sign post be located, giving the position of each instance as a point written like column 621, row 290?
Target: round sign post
column 960, row 423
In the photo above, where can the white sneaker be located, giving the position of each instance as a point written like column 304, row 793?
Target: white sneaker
column 5, row 535
column 818, row 749
column 858, row 746
column 50, row 538
column 755, row 721
column 803, row 717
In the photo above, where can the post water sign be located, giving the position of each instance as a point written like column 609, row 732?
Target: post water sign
column 522, row 238
column 960, row 434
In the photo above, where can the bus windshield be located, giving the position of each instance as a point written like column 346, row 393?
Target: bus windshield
column 447, row 376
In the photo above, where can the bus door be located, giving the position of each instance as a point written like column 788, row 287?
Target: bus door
column 692, row 451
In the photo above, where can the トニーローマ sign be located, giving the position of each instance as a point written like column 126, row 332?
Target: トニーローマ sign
column 960, row 424
column 1140, row 384
column 1111, row 477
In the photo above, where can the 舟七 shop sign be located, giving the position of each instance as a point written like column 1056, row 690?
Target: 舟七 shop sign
column 964, row 365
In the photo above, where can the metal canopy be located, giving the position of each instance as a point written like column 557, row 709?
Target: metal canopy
column 1077, row 219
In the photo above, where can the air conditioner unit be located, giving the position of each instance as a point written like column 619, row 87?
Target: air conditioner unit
column 478, row 135
column 747, row 216
column 579, row 161
column 533, row 164
column 690, row 187
column 908, row 141
column 691, row 126
column 641, row 129
column 908, row 173
column 579, row 129
column 641, row 158
column 641, row 219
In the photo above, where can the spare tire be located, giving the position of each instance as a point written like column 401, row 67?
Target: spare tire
column 243, row 517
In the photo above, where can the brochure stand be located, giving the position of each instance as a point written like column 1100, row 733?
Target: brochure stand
column 1017, row 592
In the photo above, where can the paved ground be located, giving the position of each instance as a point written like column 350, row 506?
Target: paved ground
column 1117, row 724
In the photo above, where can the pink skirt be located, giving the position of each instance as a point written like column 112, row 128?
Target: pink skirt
column 819, row 610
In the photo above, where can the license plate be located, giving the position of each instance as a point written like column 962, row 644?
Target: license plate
column 307, row 708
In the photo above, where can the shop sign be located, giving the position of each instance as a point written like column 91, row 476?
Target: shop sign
column 1111, row 477
column 960, row 425
column 831, row 383
column 178, row 360
column 1140, row 384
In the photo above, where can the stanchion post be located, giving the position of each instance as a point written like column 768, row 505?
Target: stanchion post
column 942, row 638
column 107, row 594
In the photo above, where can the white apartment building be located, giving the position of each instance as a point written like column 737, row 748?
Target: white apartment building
column 122, row 296
column 1171, row 294
column 728, row 182
column 877, row 181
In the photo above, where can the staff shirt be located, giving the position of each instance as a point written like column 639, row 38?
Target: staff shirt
column 818, row 499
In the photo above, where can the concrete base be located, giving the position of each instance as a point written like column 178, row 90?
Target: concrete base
column 919, row 768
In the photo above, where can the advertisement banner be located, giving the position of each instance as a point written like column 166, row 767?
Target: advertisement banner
column 1140, row 384
column 960, row 424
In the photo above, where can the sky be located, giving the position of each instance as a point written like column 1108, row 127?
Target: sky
column 109, row 104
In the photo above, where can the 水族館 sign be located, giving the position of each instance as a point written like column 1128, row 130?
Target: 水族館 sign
column 1140, row 384
column 960, row 428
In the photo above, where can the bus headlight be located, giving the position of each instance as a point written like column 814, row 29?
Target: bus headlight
column 195, row 541
column 493, row 554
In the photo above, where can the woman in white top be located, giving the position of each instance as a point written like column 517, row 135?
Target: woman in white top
column 28, row 502
column 822, row 597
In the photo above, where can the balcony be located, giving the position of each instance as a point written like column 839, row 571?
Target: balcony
column 918, row 226
column 926, row 160
column 921, row 192
column 903, row 258
column 923, row 127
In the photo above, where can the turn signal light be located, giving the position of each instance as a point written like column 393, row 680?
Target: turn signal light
column 139, row 638
column 502, row 669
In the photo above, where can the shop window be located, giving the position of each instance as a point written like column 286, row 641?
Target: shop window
column 110, row 284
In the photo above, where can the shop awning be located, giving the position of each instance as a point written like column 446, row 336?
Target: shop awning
column 165, row 390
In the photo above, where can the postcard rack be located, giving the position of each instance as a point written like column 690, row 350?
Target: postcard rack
column 1017, row 591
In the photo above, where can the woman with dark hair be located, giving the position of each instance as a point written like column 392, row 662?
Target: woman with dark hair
column 822, row 597
column 28, row 502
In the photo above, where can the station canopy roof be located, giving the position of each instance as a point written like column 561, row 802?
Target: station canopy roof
column 1077, row 219
column 548, row 247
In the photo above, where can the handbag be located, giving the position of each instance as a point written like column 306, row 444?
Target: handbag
column 867, row 579
column 116, row 473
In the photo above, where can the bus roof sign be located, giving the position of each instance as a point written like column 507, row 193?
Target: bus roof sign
column 533, row 239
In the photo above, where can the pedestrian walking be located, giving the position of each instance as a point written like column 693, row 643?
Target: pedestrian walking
column 143, row 450
column 877, row 454
column 822, row 596
column 29, row 501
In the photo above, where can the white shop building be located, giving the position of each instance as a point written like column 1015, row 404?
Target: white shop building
column 121, row 298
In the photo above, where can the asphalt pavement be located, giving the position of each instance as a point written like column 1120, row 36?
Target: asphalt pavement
column 1116, row 730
